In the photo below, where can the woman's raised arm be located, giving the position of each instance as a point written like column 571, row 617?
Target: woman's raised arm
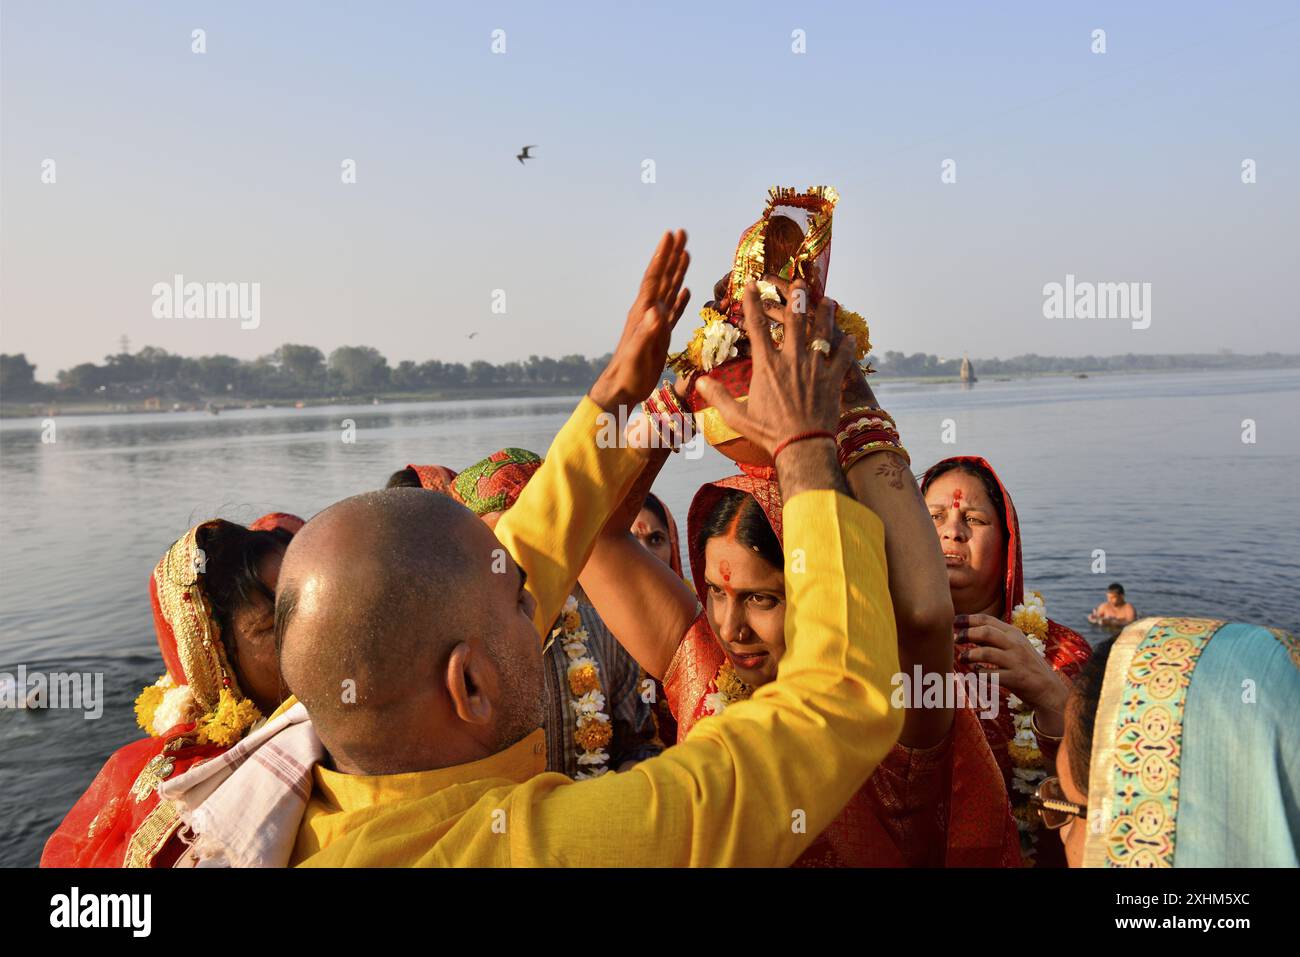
column 642, row 601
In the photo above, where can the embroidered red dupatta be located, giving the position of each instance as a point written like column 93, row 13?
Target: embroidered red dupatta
column 118, row 821
column 941, row 806
column 1066, row 651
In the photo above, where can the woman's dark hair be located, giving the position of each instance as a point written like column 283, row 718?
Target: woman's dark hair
column 657, row 507
column 737, row 510
column 1081, row 715
column 720, row 289
column 991, row 486
column 404, row 478
column 231, row 554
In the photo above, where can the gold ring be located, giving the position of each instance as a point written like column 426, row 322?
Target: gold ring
column 822, row 346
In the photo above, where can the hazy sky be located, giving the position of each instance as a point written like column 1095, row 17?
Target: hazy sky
column 226, row 167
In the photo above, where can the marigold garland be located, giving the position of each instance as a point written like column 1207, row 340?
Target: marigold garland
column 718, row 340
column 146, row 704
column 728, row 689
column 1029, row 765
column 582, row 679
column 164, row 704
column 226, row 724
column 594, row 731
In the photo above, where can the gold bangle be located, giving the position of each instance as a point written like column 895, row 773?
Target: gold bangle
column 1033, row 726
column 662, row 424
column 867, row 409
column 872, row 447
column 855, row 415
column 666, row 390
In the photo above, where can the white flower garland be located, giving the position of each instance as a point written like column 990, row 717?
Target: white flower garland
column 720, row 340
column 730, row 690
column 594, row 731
column 177, row 706
column 1026, row 756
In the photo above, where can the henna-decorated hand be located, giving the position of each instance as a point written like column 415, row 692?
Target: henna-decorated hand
column 792, row 389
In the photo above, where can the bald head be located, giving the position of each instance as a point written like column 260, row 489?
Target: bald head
column 374, row 594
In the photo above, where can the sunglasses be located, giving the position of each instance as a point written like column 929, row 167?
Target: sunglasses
column 1053, row 807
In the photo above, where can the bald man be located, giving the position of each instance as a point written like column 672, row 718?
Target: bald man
column 395, row 592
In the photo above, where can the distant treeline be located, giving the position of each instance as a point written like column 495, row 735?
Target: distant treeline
column 298, row 372
column 291, row 372
column 920, row 364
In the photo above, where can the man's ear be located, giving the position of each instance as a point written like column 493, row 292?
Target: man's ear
column 467, row 680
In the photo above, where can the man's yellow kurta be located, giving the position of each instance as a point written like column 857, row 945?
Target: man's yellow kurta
column 752, row 786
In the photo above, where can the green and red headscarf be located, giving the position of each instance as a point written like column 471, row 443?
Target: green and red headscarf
column 494, row 484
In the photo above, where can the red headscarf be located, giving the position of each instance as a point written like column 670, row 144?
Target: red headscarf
column 696, row 663
column 434, row 478
column 118, row 821
column 891, row 820
column 759, row 483
column 1065, row 649
column 277, row 522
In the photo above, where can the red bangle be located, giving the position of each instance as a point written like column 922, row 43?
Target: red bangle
column 800, row 437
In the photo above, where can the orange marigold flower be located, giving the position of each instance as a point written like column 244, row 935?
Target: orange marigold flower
column 1023, row 756
column 584, row 678
column 593, row 734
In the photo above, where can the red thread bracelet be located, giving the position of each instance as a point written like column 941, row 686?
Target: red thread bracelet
column 800, row 437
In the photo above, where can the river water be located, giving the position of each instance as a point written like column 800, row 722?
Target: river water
column 1151, row 469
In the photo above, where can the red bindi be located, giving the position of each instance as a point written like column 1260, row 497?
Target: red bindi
column 724, row 568
column 641, row 528
column 956, row 499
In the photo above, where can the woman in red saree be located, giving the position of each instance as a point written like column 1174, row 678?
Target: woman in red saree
column 942, row 805
column 979, row 533
column 213, row 599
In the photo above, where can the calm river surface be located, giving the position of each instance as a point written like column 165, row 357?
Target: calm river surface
column 1152, row 469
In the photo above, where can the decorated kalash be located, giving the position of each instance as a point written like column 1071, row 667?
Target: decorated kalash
column 792, row 240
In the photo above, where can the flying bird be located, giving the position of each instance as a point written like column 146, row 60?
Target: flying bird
column 525, row 155
column 471, row 335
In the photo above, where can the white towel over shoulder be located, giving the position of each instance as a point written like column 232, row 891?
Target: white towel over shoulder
column 244, row 807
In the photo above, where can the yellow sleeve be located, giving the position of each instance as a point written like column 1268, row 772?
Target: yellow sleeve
column 552, row 528
column 753, row 786
column 285, row 705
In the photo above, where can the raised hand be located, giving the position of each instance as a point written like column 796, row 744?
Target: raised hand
column 855, row 390
column 639, row 357
column 794, row 389
column 991, row 644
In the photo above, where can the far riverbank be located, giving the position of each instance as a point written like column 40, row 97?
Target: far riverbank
column 145, row 406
